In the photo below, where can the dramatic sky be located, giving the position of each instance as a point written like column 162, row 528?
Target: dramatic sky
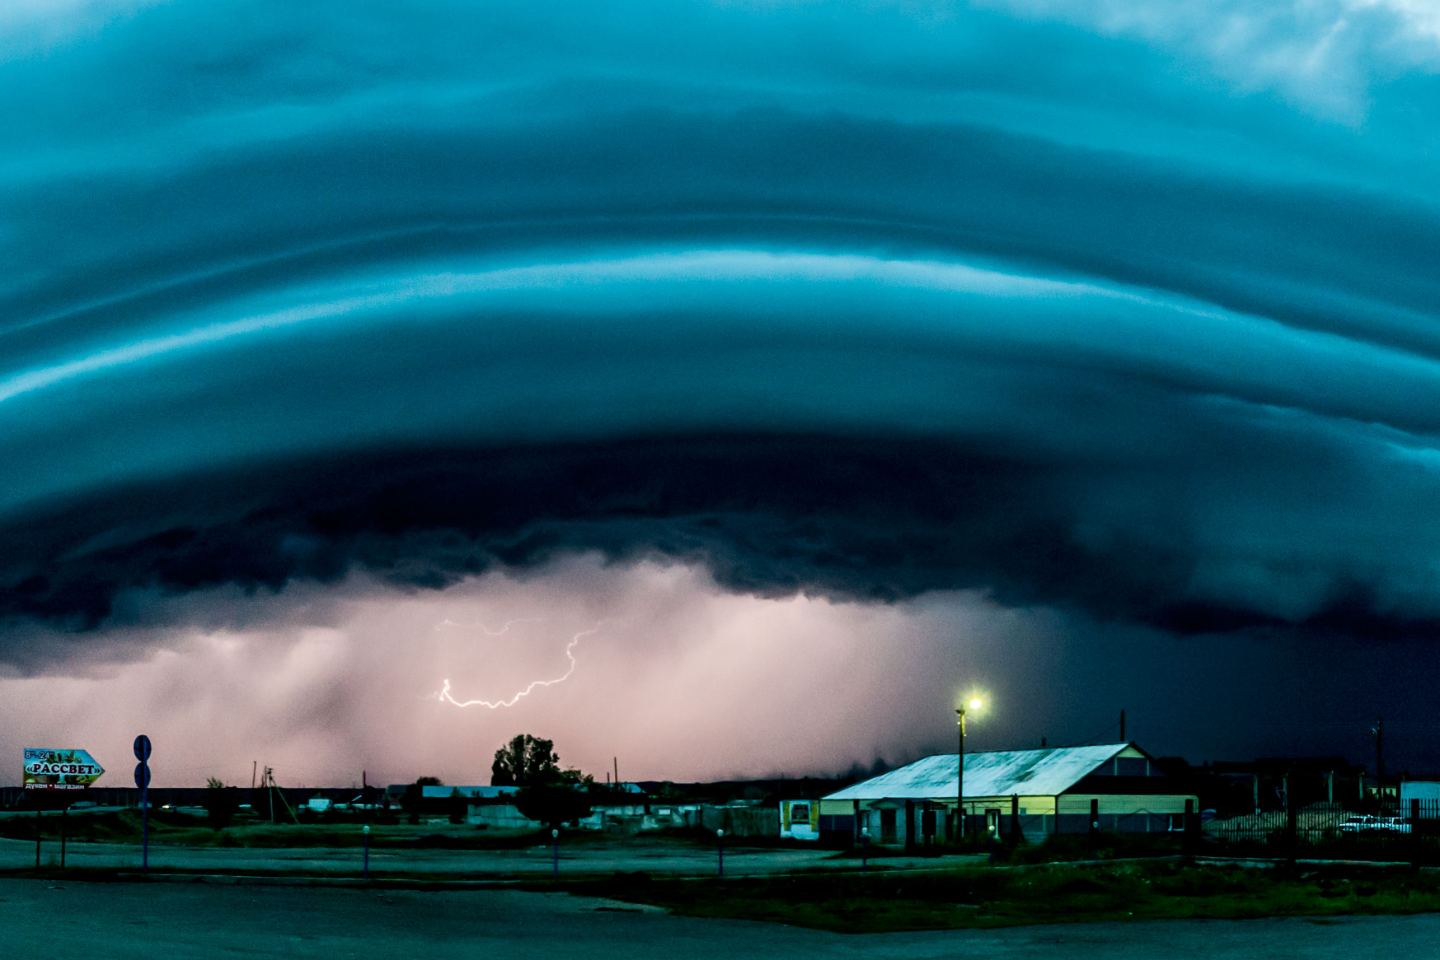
column 764, row 372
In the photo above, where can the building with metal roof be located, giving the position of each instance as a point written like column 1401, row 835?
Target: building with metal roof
column 1035, row 792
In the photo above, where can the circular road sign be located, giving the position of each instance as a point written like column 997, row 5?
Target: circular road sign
column 142, row 776
column 142, row 748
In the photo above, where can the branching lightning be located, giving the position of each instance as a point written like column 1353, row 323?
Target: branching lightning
column 445, row 695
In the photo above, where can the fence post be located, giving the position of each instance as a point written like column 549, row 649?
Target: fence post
column 1414, row 830
column 1292, row 839
column 1187, row 839
column 1094, row 829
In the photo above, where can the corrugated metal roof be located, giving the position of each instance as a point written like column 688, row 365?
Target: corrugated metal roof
column 1034, row 773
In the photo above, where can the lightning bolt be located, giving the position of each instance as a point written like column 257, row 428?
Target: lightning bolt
column 486, row 630
column 445, row 696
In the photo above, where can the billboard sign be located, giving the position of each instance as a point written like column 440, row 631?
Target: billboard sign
column 59, row 769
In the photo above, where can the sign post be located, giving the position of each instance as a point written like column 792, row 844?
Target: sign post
column 57, row 770
column 142, row 780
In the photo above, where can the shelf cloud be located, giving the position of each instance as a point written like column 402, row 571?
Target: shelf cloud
column 857, row 301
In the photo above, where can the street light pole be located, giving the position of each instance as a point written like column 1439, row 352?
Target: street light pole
column 974, row 704
column 960, row 779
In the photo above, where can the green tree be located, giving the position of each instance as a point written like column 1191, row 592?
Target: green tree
column 525, row 761
column 547, row 793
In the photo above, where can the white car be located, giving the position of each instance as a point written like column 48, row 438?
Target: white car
column 1368, row 824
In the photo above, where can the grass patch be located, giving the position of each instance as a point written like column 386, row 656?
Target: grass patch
column 883, row 902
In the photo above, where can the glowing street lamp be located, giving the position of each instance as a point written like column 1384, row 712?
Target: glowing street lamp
column 974, row 703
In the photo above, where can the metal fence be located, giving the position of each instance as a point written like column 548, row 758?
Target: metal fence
column 1328, row 831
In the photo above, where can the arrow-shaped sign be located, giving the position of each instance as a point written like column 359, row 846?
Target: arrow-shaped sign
column 47, row 769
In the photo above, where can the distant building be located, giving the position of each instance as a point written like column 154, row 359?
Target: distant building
column 1426, row 791
column 469, row 793
column 1047, row 791
column 800, row 819
column 1277, row 784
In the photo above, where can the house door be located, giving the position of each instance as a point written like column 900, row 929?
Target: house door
column 887, row 826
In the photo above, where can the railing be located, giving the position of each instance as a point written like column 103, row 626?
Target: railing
column 1409, row 831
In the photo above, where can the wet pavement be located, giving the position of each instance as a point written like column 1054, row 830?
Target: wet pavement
column 130, row 921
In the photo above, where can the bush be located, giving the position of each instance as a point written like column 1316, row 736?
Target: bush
column 553, row 803
column 221, row 802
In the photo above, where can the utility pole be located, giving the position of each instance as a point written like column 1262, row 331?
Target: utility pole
column 1379, row 733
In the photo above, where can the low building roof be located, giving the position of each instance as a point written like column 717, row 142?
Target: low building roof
column 481, row 793
column 1044, row 772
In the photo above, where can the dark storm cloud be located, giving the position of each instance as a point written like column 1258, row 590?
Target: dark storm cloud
column 864, row 300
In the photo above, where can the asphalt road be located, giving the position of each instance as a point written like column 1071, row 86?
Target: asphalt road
column 110, row 921
column 587, row 859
